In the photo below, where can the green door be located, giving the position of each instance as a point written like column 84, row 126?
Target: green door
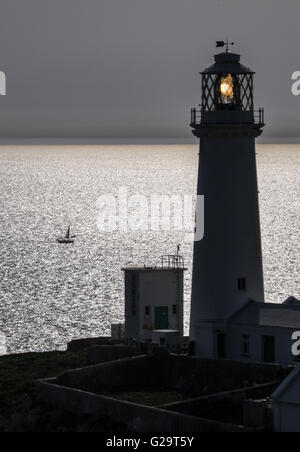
column 162, row 318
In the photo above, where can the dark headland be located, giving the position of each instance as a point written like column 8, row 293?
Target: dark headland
column 19, row 408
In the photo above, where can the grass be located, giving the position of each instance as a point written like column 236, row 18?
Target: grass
column 19, row 409
column 18, row 372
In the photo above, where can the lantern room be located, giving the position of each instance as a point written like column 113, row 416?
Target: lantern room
column 227, row 85
column 227, row 93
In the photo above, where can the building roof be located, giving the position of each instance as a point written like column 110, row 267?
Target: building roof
column 289, row 390
column 227, row 62
column 292, row 301
column 268, row 315
column 169, row 262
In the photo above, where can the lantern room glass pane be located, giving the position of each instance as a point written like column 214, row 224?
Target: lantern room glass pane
column 227, row 92
column 223, row 91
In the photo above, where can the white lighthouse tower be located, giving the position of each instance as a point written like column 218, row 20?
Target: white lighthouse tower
column 227, row 267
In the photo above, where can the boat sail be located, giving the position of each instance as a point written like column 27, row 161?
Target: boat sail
column 68, row 234
column 68, row 237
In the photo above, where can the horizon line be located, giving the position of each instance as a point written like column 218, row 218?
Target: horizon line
column 128, row 141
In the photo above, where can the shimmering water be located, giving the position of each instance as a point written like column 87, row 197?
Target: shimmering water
column 50, row 293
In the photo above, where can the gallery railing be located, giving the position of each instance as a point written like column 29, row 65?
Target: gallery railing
column 198, row 117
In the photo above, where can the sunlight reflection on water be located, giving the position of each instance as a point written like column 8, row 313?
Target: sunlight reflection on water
column 3, row 349
column 50, row 293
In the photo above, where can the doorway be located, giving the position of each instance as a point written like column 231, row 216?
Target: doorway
column 269, row 349
column 221, row 346
column 162, row 318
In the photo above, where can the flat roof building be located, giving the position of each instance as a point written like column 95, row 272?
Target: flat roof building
column 154, row 298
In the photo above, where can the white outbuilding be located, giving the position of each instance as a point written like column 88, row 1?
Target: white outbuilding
column 256, row 332
column 154, row 299
column 263, row 332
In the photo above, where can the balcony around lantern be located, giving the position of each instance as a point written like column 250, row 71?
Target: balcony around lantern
column 219, row 117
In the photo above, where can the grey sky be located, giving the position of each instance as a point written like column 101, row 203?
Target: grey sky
column 129, row 68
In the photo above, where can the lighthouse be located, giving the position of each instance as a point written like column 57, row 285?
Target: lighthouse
column 227, row 268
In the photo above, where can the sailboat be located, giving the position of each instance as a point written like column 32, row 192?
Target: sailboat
column 68, row 237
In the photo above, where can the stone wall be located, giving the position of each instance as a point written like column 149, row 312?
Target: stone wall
column 135, row 418
column 84, row 344
column 229, row 405
column 191, row 376
column 105, row 353
column 90, row 391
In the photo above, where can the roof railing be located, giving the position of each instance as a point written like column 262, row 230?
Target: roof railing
column 172, row 261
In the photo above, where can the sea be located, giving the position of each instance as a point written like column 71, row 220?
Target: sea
column 52, row 293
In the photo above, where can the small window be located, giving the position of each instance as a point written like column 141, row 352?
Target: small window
column 245, row 345
column 242, row 284
column 174, row 309
column 134, row 293
column 148, row 310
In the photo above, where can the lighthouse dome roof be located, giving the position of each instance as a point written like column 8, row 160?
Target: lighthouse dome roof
column 227, row 62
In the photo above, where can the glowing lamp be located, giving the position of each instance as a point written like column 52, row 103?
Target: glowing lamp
column 227, row 89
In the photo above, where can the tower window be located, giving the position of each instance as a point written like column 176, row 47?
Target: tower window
column 245, row 345
column 134, row 293
column 147, row 310
column 242, row 284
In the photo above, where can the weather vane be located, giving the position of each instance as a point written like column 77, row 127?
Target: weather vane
column 225, row 43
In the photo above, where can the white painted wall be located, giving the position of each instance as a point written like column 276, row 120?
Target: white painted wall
column 156, row 288
column 205, row 345
column 231, row 248
column 283, row 341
